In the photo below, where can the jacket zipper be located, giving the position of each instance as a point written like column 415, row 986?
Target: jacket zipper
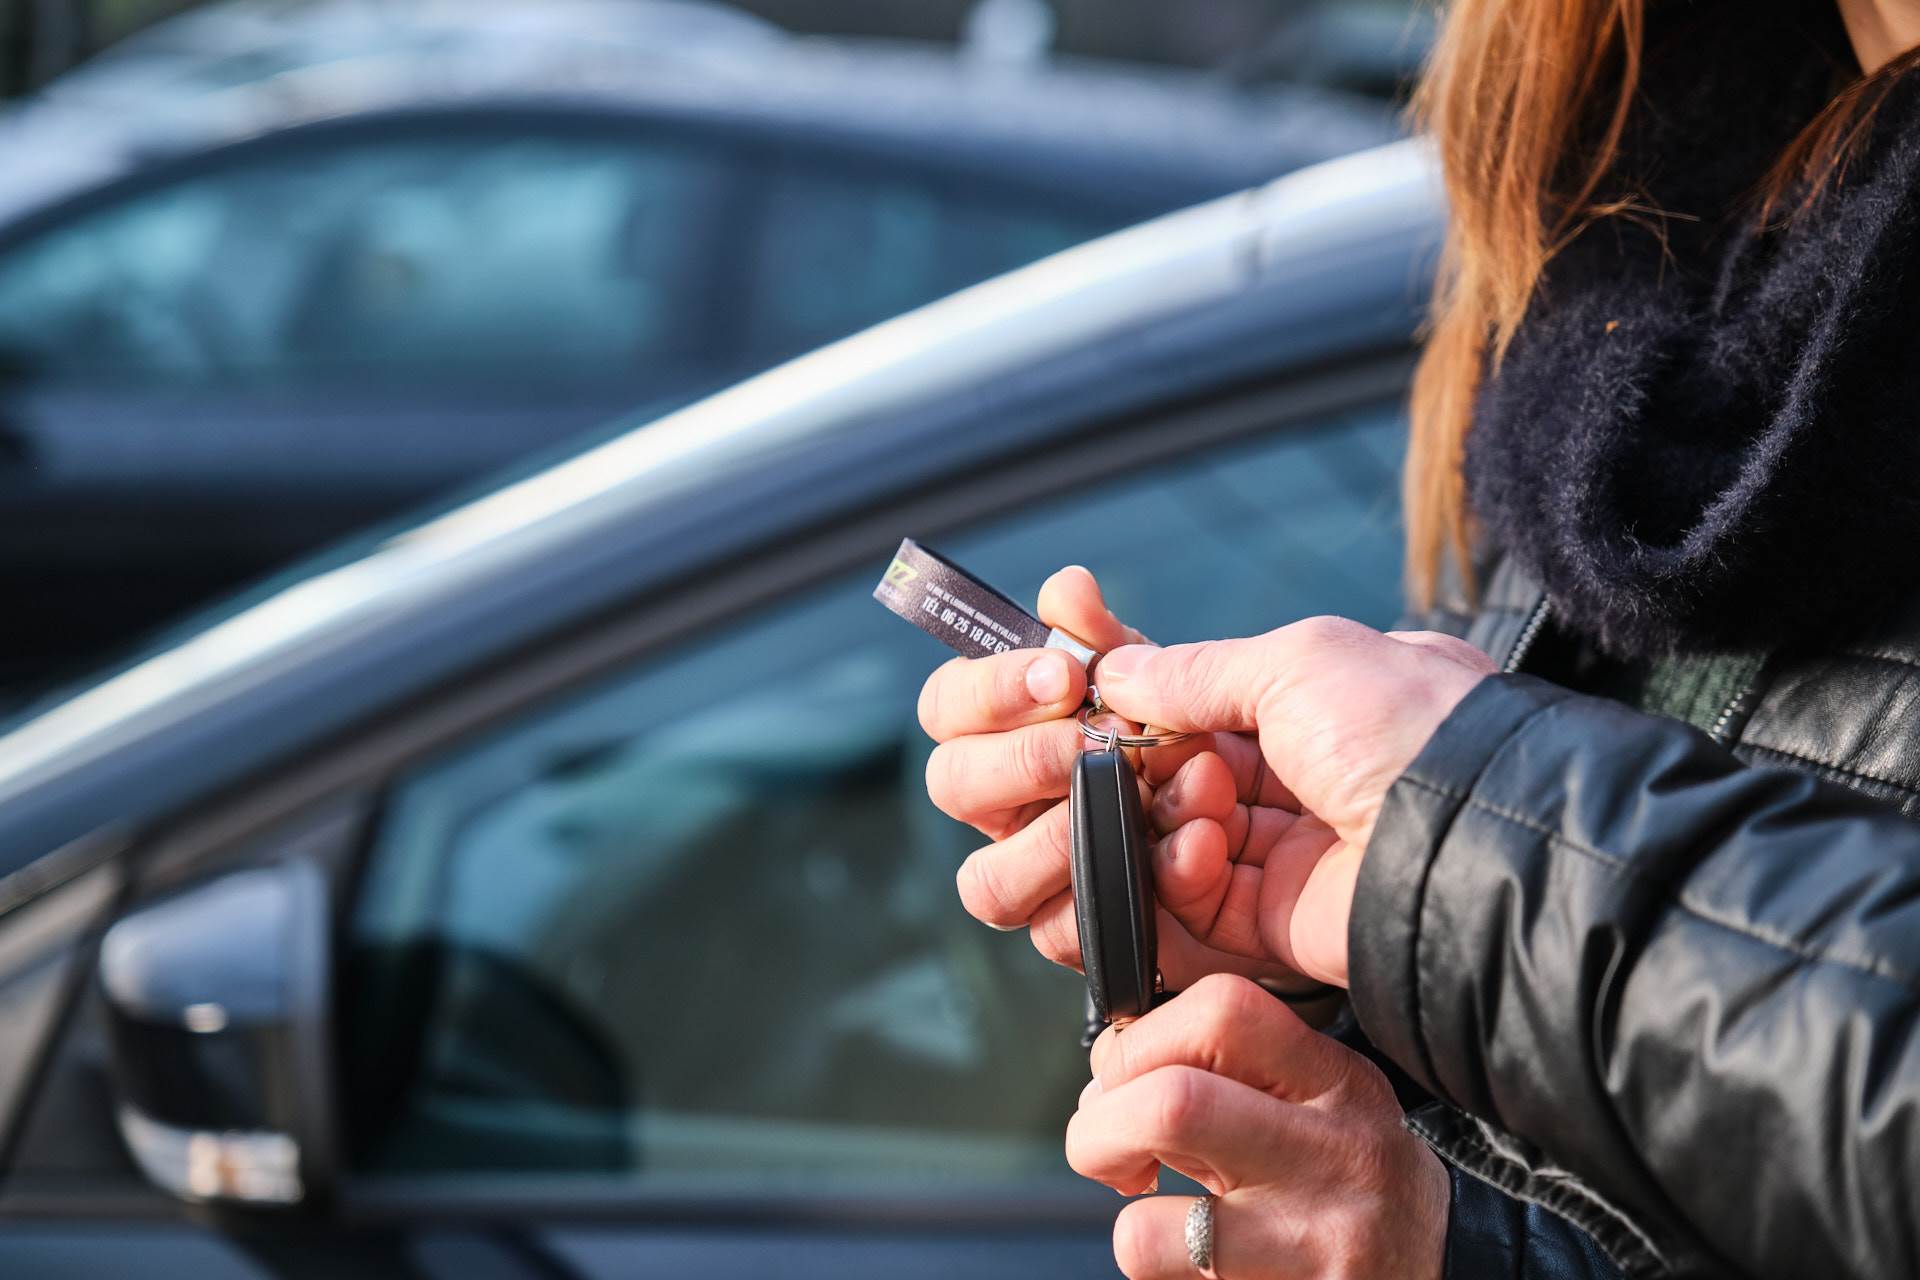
column 1722, row 730
column 1528, row 634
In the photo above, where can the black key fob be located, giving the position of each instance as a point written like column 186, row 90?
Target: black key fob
column 1113, row 889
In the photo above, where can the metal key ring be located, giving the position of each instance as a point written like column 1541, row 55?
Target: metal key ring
column 1108, row 739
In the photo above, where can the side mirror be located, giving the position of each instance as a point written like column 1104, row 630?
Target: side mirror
column 219, row 1009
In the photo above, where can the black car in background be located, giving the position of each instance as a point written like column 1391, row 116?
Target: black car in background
column 273, row 270
column 549, row 891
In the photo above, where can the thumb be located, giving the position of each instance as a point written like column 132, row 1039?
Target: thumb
column 1212, row 687
column 1071, row 600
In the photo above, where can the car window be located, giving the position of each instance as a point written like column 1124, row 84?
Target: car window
column 495, row 255
column 846, row 247
column 697, row 925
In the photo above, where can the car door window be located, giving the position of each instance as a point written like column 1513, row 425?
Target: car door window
column 696, row 926
column 845, row 246
column 478, row 254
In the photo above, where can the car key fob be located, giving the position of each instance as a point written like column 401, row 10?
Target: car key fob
column 1112, row 888
column 1112, row 879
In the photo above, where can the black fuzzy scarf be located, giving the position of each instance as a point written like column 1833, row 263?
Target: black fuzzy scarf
column 1707, row 436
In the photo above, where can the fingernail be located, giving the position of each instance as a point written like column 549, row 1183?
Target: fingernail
column 1047, row 678
column 1089, row 1093
column 1123, row 663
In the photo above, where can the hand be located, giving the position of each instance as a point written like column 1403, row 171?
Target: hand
column 1298, row 1137
column 1008, row 741
column 1265, row 853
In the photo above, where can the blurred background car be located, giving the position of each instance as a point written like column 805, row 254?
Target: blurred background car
column 547, row 889
column 272, row 270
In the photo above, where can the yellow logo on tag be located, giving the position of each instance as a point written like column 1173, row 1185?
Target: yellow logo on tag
column 900, row 573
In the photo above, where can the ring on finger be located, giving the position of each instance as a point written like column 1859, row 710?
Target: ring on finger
column 1200, row 1236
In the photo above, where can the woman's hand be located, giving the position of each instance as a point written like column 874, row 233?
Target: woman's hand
column 1312, row 724
column 1008, row 740
column 1298, row 1137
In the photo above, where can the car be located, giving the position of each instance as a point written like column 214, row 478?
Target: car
column 546, row 888
column 273, row 271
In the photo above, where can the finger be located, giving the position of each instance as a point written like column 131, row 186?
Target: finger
column 1192, row 875
column 1231, row 1027
column 1254, row 780
column 1203, row 787
column 1217, row 1131
column 982, row 777
column 1217, row 685
column 1056, row 932
column 1072, row 601
column 1157, row 764
column 1006, row 691
column 1006, row 883
column 1249, row 1239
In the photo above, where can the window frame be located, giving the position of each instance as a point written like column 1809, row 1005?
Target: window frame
column 573, row 659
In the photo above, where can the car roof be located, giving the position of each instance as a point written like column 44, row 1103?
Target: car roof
column 1317, row 265
column 238, row 71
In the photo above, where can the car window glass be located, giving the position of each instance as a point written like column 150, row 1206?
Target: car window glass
column 383, row 256
column 846, row 247
column 697, row 925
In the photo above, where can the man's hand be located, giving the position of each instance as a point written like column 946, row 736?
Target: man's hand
column 1312, row 724
column 1008, row 740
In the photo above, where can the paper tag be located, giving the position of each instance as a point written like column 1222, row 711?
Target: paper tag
column 960, row 611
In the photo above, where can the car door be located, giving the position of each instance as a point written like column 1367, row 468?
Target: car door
column 657, row 968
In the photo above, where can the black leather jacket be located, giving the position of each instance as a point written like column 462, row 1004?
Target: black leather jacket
column 1664, row 983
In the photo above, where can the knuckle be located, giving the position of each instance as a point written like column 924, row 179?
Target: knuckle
column 1228, row 1002
column 1054, row 936
column 1204, row 666
column 1177, row 1102
column 945, row 781
column 1329, row 630
column 1035, row 760
column 1074, row 1144
column 983, row 890
column 933, row 697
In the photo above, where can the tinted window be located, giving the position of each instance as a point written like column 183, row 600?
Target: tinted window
column 377, row 255
column 698, row 924
column 847, row 247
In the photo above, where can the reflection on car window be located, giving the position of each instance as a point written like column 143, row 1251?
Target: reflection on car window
column 846, row 248
column 380, row 256
column 697, row 926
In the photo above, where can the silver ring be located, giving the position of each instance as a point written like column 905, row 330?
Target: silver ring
column 1200, row 1236
column 1109, row 738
